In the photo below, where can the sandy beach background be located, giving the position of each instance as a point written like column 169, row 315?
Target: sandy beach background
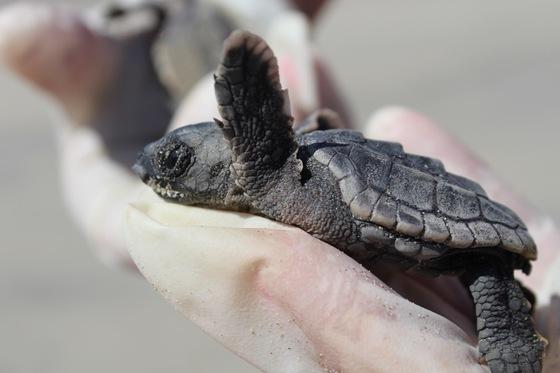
column 487, row 71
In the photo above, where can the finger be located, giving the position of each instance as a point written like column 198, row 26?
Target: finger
column 329, row 94
column 548, row 319
column 309, row 83
column 55, row 50
column 311, row 8
column 420, row 135
column 444, row 295
column 104, row 78
column 52, row 48
column 199, row 105
column 284, row 300
column 289, row 36
column 96, row 191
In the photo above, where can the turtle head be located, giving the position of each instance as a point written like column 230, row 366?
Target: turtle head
column 189, row 166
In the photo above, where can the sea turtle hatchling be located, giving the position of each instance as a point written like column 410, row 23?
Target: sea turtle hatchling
column 368, row 198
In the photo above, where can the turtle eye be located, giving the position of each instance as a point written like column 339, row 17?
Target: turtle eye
column 174, row 159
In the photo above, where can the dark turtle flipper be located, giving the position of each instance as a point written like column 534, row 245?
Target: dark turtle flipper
column 255, row 111
column 320, row 120
column 508, row 341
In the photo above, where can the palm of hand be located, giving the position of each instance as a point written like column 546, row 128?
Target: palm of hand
column 295, row 303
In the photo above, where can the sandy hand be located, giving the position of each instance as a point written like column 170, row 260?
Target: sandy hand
column 288, row 302
column 285, row 301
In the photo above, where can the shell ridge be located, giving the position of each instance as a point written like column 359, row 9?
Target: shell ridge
column 466, row 219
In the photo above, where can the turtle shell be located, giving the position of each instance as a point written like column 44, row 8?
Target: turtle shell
column 414, row 196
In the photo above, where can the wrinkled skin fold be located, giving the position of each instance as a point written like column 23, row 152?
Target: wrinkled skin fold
column 270, row 278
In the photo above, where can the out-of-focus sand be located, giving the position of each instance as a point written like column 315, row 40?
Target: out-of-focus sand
column 488, row 71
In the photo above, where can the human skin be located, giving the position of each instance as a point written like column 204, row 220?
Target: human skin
column 78, row 63
column 182, row 281
column 281, row 299
column 318, row 308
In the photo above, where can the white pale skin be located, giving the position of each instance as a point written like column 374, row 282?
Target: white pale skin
column 68, row 55
column 261, row 293
column 348, row 319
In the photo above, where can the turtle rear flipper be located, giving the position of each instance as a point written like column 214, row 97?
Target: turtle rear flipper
column 255, row 111
column 507, row 338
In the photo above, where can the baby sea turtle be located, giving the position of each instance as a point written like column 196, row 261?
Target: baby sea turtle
column 368, row 198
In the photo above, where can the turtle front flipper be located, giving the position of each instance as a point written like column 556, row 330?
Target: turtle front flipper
column 508, row 341
column 256, row 113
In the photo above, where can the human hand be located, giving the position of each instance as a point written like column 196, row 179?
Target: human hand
column 406, row 127
column 287, row 302
column 447, row 299
column 98, row 68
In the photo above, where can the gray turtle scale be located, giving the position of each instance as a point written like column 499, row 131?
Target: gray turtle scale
column 368, row 198
column 410, row 202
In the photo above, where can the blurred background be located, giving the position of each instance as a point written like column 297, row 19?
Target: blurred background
column 487, row 71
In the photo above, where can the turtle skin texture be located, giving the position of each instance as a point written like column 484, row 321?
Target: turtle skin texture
column 368, row 198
